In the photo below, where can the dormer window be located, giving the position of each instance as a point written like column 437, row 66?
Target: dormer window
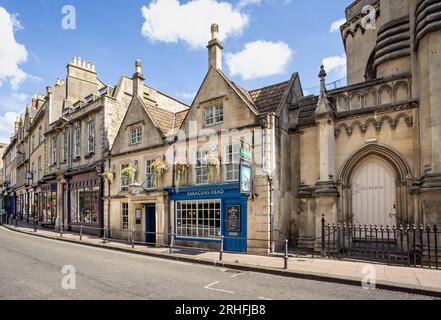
column 214, row 115
column 136, row 135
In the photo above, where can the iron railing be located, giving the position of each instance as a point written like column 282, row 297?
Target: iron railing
column 411, row 245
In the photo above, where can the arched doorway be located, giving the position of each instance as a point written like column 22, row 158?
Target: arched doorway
column 373, row 186
column 371, row 181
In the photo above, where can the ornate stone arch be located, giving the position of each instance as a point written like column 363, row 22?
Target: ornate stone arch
column 398, row 163
column 402, row 172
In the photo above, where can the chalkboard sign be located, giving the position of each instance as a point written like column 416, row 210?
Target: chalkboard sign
column 233, row 218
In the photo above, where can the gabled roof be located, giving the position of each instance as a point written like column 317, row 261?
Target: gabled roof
column 266, row 99
column 166, row 121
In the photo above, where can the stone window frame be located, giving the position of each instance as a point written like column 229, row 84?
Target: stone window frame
column 124, row 181
column 231, row 158
column 77, row 141
column 124, row 215
column 137, row 137
column 200, row 168
column 91, row 137
column 150, row 183
column 217, row 114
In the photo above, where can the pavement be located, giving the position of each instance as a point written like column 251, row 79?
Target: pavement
column 328, row 272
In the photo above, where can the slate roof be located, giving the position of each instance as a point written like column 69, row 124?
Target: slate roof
column 306, row 106
column 166, row 121
column 268, row 99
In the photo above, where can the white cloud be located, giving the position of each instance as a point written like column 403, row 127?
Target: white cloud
column 12, row 54
column 335, row 26
column 170, row 21
column 245, row 3
column 7, row 126
column 259, row 59
column 335, row 64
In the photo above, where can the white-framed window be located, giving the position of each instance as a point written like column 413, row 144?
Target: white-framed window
column 198, row 219
column 201, row 171
column 214, row 115
column 124, row 179
column 33, row 142
column 76, row 141
column 54, row 150
column 124, row 216
column 135, row 135
column 149, row 176
column 231, row 162
column 64, row 148
column 91, row 137
column 39, row 176
column 40, row 135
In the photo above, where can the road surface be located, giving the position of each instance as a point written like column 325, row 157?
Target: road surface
column 31, row 268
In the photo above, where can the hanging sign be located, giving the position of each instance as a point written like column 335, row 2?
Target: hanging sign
column 246, row 154
column 233, row 218
column 245, row 178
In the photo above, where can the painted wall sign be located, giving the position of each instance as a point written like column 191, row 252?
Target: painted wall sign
column 233, row 215
column 205, row 192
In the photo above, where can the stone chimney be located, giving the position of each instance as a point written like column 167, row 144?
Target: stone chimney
column 215, row 48
column 81, row 79
column 138, row 79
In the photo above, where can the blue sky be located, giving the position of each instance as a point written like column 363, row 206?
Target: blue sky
column 265, row 41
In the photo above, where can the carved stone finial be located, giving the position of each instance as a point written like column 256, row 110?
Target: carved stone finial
column 138, row 66
column 214, row 31
column 322, row 74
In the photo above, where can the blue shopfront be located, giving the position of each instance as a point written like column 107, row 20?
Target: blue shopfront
column 203, row 214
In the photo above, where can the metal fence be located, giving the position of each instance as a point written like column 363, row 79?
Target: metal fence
column 411, row 245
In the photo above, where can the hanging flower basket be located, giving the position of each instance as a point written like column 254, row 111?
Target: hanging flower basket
column 159, row 168
column 181, row 172
column 213, row 163
column 108, row 175
column 129, row 172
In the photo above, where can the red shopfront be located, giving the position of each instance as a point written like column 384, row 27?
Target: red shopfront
column 86, row 204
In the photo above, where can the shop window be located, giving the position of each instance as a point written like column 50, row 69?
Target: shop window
column 200, row 167
column 125, row 216
column 214, row 115
column 149, row 176
column 85, row 205
column 231, row 162
column 198, row 219
column 136, row 135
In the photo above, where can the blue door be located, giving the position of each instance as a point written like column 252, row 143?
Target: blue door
column 150, row 223
column 234, row 227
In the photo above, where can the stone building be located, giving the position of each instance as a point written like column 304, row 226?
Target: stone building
column 138, row 203
column 370, row 152
column 244, row 164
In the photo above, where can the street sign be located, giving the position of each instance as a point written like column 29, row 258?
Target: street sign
column 29, row 175
column 246, row 154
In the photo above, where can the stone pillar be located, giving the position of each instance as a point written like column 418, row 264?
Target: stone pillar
column 427, row 42
column 326, row 192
